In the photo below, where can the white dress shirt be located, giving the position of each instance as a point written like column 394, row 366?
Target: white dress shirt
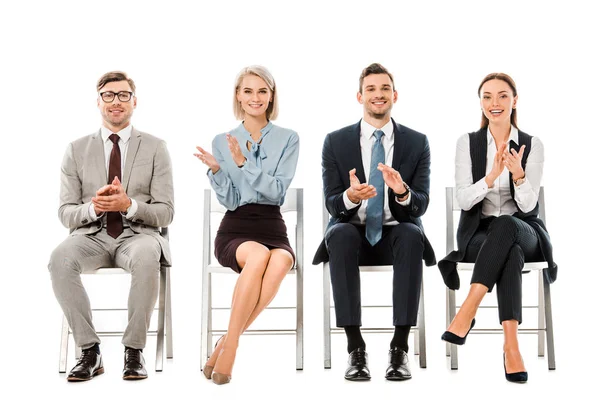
column 497, row 200
column 124, row 136
column 367, row 139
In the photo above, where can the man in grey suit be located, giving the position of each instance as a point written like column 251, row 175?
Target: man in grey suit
column 116, row 192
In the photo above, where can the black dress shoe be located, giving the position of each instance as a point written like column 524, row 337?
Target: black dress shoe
column 455, row 339
column 358, row 368
column 134, row 364
column 398, row 370
column 88, row 366
column 516, row 377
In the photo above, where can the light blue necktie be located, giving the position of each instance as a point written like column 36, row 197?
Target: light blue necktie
column 375, row 204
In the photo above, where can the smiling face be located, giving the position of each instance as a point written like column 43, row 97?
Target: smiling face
column 377, row 97
column 116, row 115
column 254, row 96
column 497, row 101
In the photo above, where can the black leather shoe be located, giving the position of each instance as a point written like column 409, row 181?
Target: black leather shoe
column 134, row 364
column 455, row 339
column 516, row 377
column 398, row 370
column 88, row 366
column 358, row 368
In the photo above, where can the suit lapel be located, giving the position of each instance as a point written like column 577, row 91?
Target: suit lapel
column 355, row 156
column 98, row 160
column 134, row 145
column 401, row 150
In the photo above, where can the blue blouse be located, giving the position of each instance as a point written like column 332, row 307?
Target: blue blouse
column 267, row 173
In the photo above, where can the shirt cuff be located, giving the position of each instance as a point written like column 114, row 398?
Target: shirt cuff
column 349, row 204
column 482, row 188
column 132, row 209
column 219, row 178
column 92, row 213
column 404, row 202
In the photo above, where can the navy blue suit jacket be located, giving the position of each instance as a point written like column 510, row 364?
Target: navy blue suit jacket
column 341, row 153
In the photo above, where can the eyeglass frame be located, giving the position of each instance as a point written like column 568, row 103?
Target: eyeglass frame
column 116, row 95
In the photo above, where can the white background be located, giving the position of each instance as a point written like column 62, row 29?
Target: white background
column 184, row 57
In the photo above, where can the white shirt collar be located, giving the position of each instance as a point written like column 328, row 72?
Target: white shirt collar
column 368, row 129
column 514, row 135
column 124, row 134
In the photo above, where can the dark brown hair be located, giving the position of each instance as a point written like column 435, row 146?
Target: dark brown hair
column 372, row 69
column 114, row 76
column 502, row 77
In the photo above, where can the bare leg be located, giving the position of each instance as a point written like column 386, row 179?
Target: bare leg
column 280, row 263
column 514, row 362
column 462, row 321
column 253, row 258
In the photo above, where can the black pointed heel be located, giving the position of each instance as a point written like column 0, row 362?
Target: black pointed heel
column 516, row 377
column 455, row 339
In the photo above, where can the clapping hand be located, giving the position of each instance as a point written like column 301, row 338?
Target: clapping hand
column 359, row 191
column 208, row 159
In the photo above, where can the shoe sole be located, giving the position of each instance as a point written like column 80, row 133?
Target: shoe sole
column 394, row 378
column 358, row 379
column 134, row 377
column 99, row 371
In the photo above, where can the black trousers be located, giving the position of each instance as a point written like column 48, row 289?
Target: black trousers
column 400, row 245
column 499, row 249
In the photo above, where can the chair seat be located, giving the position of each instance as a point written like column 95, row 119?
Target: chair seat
column 219, row 269
column 530, row 266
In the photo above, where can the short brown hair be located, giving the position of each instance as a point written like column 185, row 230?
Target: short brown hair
column 265, row 75
column 114, row 76
column 374, row 68
column 502, row 77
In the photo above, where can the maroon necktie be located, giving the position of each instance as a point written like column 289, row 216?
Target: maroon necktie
column 114, row 223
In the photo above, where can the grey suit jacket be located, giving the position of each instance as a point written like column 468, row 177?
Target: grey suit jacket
column 147, row 178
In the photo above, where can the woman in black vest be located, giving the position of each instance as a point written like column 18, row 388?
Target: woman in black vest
column 498, row 175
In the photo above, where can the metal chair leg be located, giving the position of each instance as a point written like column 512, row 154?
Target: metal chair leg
column 205, row 339
column 541, row 328
column 160, row 331
column 168, row 315
column 452, row 313
column 422, row 336
column 549, row 326
column 299, row 319
column 64, row 346
column 326, row 316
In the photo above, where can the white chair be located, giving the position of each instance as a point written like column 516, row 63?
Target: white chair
column 164, row 317
column 543, row 306
column 293, row 204
column 418, row 331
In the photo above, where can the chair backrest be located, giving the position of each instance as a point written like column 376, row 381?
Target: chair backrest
column 292, row 211
column 452, row 207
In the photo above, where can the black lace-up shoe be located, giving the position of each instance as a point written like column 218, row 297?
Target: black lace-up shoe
column 88, row 366
column 358, row 368
column 134, row 364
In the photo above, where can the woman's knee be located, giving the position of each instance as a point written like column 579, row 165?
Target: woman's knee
column 504, row 224
column 253, row 254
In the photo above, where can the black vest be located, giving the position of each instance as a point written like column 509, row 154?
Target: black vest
column 469, row 220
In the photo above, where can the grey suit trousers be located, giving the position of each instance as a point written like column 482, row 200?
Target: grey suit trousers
column 137, row 253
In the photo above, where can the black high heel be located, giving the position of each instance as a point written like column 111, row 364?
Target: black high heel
column 455, row 339
column 516, row 377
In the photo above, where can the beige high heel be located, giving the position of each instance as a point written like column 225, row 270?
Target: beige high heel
column 208, row 369
column 220, row 379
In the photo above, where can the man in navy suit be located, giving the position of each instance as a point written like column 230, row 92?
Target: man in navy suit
column 378, row 222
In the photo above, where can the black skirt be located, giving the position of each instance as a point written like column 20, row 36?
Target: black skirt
column 260, row 223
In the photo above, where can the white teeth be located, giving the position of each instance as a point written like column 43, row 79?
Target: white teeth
column 496, row 111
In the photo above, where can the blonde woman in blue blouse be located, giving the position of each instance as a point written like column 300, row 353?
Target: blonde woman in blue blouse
column 250, row 170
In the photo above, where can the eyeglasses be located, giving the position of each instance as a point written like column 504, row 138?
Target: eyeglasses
column 109, row 97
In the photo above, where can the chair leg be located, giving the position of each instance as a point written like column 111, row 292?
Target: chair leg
column 447, row 319
column 541, row 327
column 64, row 346
column 422, row 336
column 549, row 326
column 168, row 315
column 160, row 331
column 205, row 339
column 452, row 313
column 326, row 316
column 299, row 319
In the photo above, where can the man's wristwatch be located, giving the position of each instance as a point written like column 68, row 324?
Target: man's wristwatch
column 519, row 181
column 400, row 196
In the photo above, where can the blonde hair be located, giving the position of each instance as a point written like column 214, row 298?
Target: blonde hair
column 265, row 75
